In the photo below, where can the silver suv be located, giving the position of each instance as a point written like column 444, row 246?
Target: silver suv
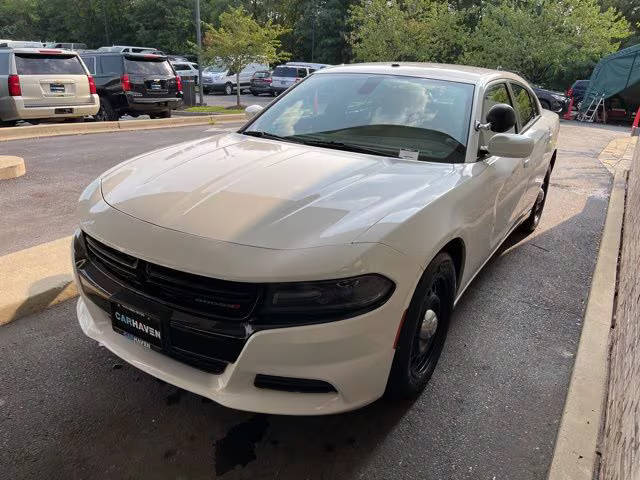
column 40, row 84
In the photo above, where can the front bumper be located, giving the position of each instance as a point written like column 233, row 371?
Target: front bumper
column 14, row 108
column 353, row 355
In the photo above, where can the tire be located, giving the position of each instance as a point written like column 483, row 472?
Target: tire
column 8, row 123
column 106, row 112
column 533, row 220
column 254, row 93
column 163, row 114
column 424, row 330
column 228, row 89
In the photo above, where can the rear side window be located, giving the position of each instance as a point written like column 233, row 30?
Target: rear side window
column 285, row 72
column 90, row 62
column 181, row 66
column 38, row 64
column 302, row 72
column 147, row 67
column 111, row 64
column 4, row 64
column 524, row 104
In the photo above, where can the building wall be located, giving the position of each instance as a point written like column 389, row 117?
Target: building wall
column 620, row 446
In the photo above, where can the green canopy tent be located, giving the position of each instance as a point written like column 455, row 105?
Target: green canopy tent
column 616, row 74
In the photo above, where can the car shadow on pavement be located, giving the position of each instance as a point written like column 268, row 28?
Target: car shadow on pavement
column 44, row 293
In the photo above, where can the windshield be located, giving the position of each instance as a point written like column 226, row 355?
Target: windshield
column 397, row 116
column 214, row 69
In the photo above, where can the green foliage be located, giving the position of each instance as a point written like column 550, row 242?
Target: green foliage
column 553, row 42
column 240, row 40
column 549, row 42
column 410, row 30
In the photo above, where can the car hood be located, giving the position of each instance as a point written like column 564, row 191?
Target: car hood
column 266, row 193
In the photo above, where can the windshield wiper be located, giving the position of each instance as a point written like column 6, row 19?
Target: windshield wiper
column 261, row 134
column 350, row 147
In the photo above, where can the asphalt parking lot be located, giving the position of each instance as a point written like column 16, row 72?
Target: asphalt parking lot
column 491, row 411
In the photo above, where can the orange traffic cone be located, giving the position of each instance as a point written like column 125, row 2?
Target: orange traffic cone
column 567, row 115
column 635, row 130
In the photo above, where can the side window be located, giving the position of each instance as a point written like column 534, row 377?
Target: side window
column 111, row 64
column 180, row 66
column 302, row 72
column 492, row 96
column 90, row 62
column 4, row 64
column 525, row 106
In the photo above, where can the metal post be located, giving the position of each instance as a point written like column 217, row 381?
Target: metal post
column 106, row 28
column 313, row 30
column 199, row 41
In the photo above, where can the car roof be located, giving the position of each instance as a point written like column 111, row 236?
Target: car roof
column 441, row 71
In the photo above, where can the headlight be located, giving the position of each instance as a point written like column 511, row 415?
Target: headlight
column 327, row 298
column 561, row 98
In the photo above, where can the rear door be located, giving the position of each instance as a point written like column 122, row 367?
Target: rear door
column 52, row 79
column 151, row 76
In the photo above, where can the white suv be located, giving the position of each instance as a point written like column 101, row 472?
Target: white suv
column 221, row 79
column 39, row 84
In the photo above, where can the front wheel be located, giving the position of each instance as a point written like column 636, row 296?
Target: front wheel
column 228, row 89
column 424, row 329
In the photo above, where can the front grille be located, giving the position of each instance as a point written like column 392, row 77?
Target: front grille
column 187, row 292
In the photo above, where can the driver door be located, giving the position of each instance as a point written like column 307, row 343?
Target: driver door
column 507, row 176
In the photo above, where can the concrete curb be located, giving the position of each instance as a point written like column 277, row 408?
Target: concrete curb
column 55, row 129
column 11, row 167
column 34, row 279
column 574, row 457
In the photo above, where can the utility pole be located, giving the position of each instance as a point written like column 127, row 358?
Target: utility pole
column 313, row 29
column 199, row 41
column 106, row 28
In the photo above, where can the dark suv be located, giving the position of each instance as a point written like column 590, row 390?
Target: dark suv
column 134, row 84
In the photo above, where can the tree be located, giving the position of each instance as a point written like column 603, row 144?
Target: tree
column 409, row 30
column 552, row 42
column 240, row 40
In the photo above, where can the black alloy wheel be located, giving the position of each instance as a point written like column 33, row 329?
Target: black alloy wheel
column 424, row 330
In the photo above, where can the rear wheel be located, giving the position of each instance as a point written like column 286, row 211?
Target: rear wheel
column 8, row 123
column 531, row 223
column 254, row 93
column 228, row 89
column 106, row 113
column 163, row 114
column 424, row 329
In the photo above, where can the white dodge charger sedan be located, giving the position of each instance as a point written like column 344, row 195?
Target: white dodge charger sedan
column 309, row 262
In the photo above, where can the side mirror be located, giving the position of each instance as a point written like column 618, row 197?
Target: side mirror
column 252, row 110
column 502, row 117
column 510, row 145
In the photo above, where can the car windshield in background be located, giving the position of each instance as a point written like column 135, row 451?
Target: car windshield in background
column 38, row 64
column 147, row 67
column 285, row 72
column 396, row 116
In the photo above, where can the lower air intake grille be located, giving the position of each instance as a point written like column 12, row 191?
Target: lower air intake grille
column 288, row 384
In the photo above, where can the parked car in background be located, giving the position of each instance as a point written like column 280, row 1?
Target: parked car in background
column 41, row 84
column 577, row 91
column 134, row 84
column 551, row 100
column 130, row 49
column 20, row 44
column 68, row 46
column 221, row 79
column 186, row 70
column 286, row 75
column 261, row 83
column 311, row 261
